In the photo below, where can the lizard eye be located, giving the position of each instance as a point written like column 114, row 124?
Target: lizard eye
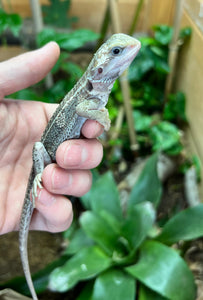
column 116, row 51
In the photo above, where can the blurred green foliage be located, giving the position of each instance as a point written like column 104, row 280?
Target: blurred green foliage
column 56, row 14
column 12, row 22
column 66, row 72
column 156, row 120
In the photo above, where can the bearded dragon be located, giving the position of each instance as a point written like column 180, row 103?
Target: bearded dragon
column 87, row 100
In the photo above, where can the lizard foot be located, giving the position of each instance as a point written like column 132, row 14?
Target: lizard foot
column 37, row 184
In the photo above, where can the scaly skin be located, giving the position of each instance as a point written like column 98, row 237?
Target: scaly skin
column 86, row 100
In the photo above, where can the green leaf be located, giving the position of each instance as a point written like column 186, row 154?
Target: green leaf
column 114, row 284
column 185, row 33
column 57, row 13
column 74, row 70
column 186, row 225
column 13, row 22
column 111, row 220
column 141, row 65
column 86, row 264
column 99, row 231
column 163, row 34
column 26, row 94
column 147, row 294
column 164, row 136
column 86, row 293
column 175, row 150
column 175, row 108
column 104, row 196
column 138, row 223
column 61, row 60
column 76, row 39
column 197, row 164
column 161, row 269
column 57, row 91
column 142, row 122
column 148, row 187
column 78, row 242
column 158, row 51
column 68, row 41
column 161, row 66
column 86, row 199
column 45, row 36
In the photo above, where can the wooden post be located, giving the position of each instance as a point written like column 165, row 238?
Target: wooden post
column 38, row 25
column 173, row 48
column 123, row 81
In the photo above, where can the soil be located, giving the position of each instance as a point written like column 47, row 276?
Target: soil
column 43, row 248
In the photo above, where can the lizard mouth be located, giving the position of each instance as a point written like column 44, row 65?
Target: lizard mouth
column 111, row 79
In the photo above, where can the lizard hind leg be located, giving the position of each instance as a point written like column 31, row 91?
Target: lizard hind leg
column 41, row 159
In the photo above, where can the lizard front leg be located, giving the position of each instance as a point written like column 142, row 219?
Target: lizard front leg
column 89, row 109
column 41, row 159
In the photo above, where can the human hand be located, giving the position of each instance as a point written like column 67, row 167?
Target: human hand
column 22, row 124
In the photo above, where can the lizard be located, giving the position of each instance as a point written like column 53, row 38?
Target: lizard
column 86, row 100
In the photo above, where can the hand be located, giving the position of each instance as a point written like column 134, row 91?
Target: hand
column 22, row 123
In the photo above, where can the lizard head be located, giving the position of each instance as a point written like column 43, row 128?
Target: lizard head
column 111, row 59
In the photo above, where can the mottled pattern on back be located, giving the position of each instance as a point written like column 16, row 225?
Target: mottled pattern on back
column 65, row 124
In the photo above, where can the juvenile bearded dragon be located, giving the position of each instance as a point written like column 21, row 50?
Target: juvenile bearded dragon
column 86, row 100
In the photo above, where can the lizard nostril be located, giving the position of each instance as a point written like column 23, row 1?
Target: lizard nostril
column 100, row 70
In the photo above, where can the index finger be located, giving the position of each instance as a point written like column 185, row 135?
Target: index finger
column 26, row 69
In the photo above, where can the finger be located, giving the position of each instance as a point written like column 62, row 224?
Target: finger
column 79, row 154
column 54, row 213
column 60, row 181
column 27, row 69
column 92, row 129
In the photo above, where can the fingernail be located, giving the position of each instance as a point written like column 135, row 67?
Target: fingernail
column 47, row 199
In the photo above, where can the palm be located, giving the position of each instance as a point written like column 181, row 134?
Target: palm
column 23, row 123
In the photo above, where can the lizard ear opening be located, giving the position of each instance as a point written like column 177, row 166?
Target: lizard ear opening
column 89, row 86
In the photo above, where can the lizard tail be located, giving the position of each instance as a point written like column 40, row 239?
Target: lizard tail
column 23, row 238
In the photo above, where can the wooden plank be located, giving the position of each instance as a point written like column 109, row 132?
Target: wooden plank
column 189, row 80
column 21, row 7
column 127, row 10
column 160, row 12
column 91, row 12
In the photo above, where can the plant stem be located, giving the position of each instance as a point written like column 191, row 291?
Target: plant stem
column 38, row 24
column 173, row 49
column 104, row 28
column 10, row 6
column 136, row 17
column 125, row 88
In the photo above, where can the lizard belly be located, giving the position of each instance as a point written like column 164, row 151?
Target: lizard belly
column 61, row 134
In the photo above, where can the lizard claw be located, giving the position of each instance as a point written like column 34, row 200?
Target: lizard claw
column 37, row 184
